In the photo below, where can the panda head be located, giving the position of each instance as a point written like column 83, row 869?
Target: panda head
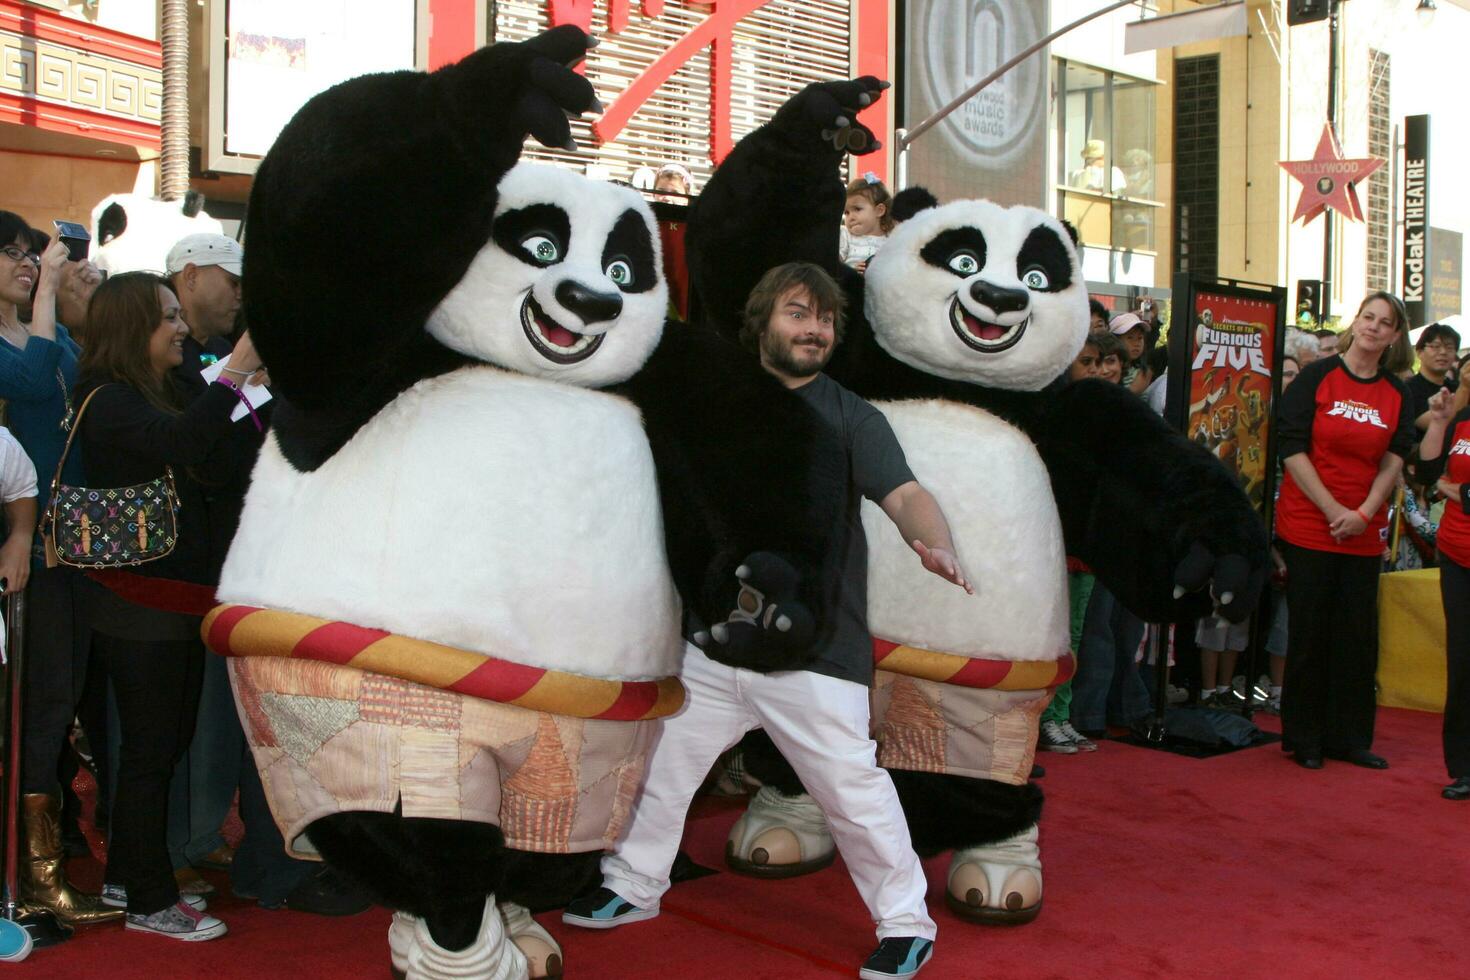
column 569, row 286
column 976, row 292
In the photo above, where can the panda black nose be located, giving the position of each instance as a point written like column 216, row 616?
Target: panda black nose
column 1001, row 299
column 589, row 304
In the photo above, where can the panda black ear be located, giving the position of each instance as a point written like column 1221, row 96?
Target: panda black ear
column 1072, row 234
column 910, row 201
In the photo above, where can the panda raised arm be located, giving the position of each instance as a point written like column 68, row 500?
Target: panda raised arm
column 370, row 207
column 778, row 197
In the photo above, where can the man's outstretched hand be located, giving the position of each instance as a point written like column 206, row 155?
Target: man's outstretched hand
column 942, row 562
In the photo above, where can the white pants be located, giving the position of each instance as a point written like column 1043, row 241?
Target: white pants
column 820, row 724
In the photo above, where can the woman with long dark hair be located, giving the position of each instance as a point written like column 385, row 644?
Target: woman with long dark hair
column 38, row 367
column 1346, row 427
column 137, row 424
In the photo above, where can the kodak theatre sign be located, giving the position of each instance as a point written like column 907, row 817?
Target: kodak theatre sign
column 1415, row 209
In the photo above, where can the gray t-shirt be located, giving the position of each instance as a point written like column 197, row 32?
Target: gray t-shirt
column 876, row 467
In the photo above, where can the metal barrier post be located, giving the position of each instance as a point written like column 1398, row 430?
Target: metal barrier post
column 44, row 927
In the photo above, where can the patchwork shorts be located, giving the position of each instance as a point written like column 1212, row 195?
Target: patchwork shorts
column 330, row 739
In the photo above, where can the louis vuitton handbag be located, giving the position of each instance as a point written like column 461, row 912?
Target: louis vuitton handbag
column 114, row 528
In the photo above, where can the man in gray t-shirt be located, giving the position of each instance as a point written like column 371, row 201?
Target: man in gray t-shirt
column 817, row 717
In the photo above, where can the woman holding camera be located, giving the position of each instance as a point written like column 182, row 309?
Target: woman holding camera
column 1346, row 426
column 38, row 367
column 138, row 425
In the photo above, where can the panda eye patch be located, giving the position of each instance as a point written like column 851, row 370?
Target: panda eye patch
column 959, row 251
column 539, row 234
column 1045, row 257
column 629, row 253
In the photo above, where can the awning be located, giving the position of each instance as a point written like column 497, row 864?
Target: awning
column 1172, row 30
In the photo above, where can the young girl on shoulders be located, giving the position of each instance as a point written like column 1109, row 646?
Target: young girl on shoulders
column 865, row 220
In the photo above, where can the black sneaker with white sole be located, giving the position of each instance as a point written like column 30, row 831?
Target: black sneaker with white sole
column 897, row 956
column 604, row 909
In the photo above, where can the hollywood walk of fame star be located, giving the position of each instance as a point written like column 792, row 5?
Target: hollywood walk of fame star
column 1328, row 180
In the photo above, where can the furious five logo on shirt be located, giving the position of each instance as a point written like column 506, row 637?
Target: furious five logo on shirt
column 1355, row 411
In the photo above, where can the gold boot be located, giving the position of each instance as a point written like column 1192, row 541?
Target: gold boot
column 43, row 883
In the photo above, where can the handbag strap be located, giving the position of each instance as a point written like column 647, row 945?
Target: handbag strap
column 76, row 426
column 168, row 471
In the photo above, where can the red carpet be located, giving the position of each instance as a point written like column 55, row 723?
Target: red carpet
column 1156, row 866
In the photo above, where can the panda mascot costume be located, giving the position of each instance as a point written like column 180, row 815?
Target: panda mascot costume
column 958, row 332
column 494, row 476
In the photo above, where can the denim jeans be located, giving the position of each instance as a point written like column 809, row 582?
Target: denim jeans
column 1107, row 688
column 204, row 781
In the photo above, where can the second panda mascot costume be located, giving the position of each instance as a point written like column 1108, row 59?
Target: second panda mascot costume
column 494, row 476
column 958, row 332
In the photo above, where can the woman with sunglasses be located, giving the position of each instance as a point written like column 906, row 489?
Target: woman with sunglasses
column 141, row 423
column 38, row 367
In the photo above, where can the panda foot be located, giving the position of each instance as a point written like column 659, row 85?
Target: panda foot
column 768, row 625
column 492, row 956
column 400, row 938
column 543, row 955
column 780, row 837
column 998, row 884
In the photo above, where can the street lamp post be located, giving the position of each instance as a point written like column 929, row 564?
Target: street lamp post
column 1333, row 7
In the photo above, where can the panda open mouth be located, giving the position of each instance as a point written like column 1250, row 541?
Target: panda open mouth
column 988, row 338
column 553, row 341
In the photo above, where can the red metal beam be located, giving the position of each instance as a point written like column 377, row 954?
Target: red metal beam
column 26, row 111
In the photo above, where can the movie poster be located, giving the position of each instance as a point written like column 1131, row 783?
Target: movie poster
column 1232, row 360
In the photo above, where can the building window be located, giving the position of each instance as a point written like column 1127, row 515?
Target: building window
column 1380, row 144
column 1106, row 171
column 1196, row 165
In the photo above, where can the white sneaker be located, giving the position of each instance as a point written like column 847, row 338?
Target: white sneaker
column 1052, row 738
column 1083, row 743
column 178, row 921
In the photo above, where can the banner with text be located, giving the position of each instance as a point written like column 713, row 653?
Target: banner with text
column 1415, row 209
column 1234, row 356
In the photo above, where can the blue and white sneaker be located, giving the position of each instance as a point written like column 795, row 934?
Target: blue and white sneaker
column 15, row 942
column 897, row 956
column 604, row 909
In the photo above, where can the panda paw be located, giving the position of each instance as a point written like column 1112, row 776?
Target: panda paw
column 766, row 626
column 1231, row 582
column 549, row 91
column 829, row 110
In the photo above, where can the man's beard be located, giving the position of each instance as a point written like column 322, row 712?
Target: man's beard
column 783, row 358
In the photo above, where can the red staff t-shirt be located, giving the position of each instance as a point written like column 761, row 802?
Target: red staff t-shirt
column 1454, row 464
column 1345, row 425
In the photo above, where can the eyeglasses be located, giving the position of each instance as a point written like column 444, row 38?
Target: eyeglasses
column 1439, row 345
column 17, row 254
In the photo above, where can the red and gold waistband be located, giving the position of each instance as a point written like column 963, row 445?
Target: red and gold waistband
column 951, row 668
column 250, row 631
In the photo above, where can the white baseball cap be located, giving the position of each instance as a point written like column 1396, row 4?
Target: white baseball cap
column 206, row 249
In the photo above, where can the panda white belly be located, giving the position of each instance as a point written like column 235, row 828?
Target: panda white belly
column 994, row 489
column 485, row 510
